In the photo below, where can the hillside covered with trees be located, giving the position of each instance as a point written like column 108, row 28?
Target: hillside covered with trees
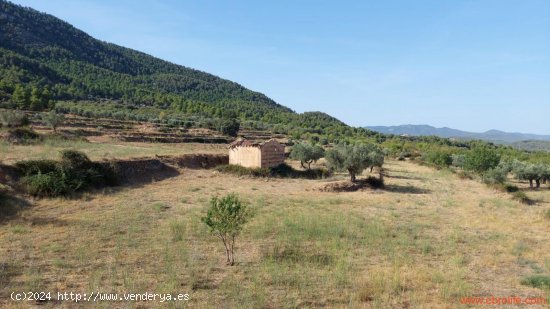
column 44, row 60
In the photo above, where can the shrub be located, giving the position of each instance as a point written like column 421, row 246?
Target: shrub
column 53, row 119
column 521, row 197
column 74, row 172
column 481, row 159
column 47, row 185
column 537, row 281
column 282, row 170
column 458, row 160
column 243, row 171
column 22, row 136
column 437, row 158
column 510, row 188
column 226, row 217
column 31, row 167
column 11, row 118
column 495, row 176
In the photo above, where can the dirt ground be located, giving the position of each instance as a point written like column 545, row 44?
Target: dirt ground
column 426, row 240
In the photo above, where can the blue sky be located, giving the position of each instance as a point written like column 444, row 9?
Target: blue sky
column 472, row 65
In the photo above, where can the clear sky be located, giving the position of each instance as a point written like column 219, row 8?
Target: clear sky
column 468, row 64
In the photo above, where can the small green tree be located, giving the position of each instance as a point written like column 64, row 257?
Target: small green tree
column 226, row 217
column 306, row 154
column 53, row 119
column 481, row 159
column 229, row 126
column 376, row 157
column 21, row 97
column 351, row 158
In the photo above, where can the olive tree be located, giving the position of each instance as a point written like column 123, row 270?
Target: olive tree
column 354, row 158
column 226, row 217
column 306, row 154
column 534, row 173
column 53, row 119
column 376, row 157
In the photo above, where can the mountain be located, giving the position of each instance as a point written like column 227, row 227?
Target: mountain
column 495, row 136
column 44, row 59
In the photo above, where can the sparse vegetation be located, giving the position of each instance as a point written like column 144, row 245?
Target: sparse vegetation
column 281, row 171
column 74, row 172
column 537, row 281
column 12, row 118
column 22, row 136
column 53, row 119
column 226, row 217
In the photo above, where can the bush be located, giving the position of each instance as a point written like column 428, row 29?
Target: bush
column 11, row 118
column 458, row 160
column 226, row 217
column 537, row 281
column 74, row 172
column 53, row 119
column 31, row 167
column 495, row 176
column 521, row 197
column 243, row 171
column 282, row 170
column 22, row 136
column 481, row 159
column 47, row 185
column 510, row 188
column 438, row 158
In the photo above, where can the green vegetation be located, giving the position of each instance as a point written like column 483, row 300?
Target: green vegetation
column 11, row 119
column 53, row 119
column 44, row 60
column 438, row 158
column 74, row 172
column 481, row 158
column 226, row 218
column 355, row 158
column 280, row 171
column 22, row 136
column 537, row 281
column 306, row 154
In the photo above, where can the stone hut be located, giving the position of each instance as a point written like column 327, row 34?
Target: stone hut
column 256, row 154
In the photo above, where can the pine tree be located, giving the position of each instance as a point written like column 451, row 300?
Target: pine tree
column 21, row 97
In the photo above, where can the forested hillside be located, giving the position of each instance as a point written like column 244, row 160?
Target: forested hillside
column 45, row 60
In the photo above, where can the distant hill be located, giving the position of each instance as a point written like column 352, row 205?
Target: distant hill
column 495, row 136
column 43, row 58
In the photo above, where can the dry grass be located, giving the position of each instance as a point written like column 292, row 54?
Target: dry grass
column 101, row 148
column 422, row 243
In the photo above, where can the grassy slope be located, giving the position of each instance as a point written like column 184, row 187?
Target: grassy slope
column 101, row 148
column 428, row 240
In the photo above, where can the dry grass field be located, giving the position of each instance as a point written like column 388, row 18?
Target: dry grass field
column 426, row 240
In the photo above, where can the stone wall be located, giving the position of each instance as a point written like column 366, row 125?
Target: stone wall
column 273, row 154
column 245, row 156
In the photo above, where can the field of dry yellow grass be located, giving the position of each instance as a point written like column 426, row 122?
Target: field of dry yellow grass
column 425, row 241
